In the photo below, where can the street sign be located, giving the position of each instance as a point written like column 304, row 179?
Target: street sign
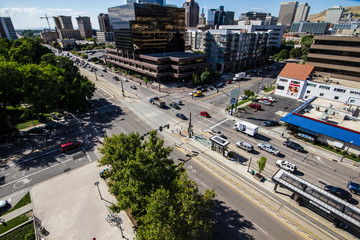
column 234, row 93
column 233, row 101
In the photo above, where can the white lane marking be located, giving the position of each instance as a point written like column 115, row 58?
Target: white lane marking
column 87, row 155
column 21, row 182
column 32, row 174
column 319, row 159
column 219, row 123
column 260, row 228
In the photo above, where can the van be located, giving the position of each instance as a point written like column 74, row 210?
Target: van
column 246, row 146
column 70, row 146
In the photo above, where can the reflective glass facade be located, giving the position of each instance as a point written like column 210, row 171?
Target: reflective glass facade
column 144, row 28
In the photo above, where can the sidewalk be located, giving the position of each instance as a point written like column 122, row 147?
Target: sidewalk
column 18, row 212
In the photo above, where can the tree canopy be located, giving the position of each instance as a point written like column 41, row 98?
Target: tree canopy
column 145, row 180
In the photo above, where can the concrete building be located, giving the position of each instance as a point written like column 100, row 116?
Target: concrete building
column 315, row 28
column 85, row 28
column 229, row 50
column 154, row 51
column 202, row 19
column 334, row 14
column 336, row 56
column 287, row 13
column 105, row 37
column 63, row 22
column 216, row 17
column 127, row 2
column 302, row 12
column 191, row 13
column 49, row 36
column 275, row 31
column 253, row 16
column 68, row 34
column 229, row 18
column 7, row 29
column 346, row 23
column 104, row 22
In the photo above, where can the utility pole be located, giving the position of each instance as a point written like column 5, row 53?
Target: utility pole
column 122, row 87
column 190, row 127
column 96, row 76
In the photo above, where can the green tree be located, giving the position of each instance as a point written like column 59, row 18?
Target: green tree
column 261, row 163
column 205, row 77
column 179, row 213
column 27, row 50
column 195, row 79
column 295, row 52
column 283, row 54
column 306, row 42
column 89, row 47
column 249, row 93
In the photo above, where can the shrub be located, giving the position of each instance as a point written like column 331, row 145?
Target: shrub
column 261, row 163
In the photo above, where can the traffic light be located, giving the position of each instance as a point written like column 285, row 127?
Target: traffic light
column 160, row 128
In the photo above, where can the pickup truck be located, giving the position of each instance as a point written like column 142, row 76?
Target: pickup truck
column 354, row 187
column 157, row 102
column 288, row 166
column 267, row 147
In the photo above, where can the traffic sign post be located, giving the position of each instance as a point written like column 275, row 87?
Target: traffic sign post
column 232, row 102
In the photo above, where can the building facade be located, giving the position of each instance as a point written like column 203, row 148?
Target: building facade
column 63, row 22
column 334, row 14
column 159, row 2
column 302, row 12
column 150, row 41
column 68, row 34
column 191, row 13
column 7, row 29
column 337, row 56
column 104, row 22
column 85, row 28
column 287, row 13
column 49, row 36
column 229, row 18
column 315, row 28
column 216, row 17
column 105, row 37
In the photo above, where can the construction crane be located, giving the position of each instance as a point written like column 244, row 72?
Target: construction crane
column 47, row 19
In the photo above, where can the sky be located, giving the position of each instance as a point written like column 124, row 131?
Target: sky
column 25, row 14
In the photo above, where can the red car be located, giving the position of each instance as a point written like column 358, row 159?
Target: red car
column 228, row 82
column 70, row 146
column 255, row 105
column 204, row 114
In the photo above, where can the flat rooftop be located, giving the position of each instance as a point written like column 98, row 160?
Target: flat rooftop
column 331, row 112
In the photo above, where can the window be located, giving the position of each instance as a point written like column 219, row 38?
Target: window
column 321, row 94
column 336, row 97
column 308, row 91
column 353, row 92
column 283, row 80
column 280, row 87
column 295, row 82
column 324, row 87
column 352, row 100
column 311, row 85
column 339, row 90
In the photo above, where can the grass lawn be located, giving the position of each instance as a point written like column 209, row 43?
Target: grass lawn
column 24, row 201
column 20, row 232
column 15, row 222
column 27, row 124
column 239, row 103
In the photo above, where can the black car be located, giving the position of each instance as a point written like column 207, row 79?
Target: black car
column 133, row 86
column 294, row 145
column 116, row 78
column 221, row 84
column 180, row 115
column 339, row 192
column 270, row 123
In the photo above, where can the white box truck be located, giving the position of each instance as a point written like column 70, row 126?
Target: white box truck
column 246, row 127
column 239, row 76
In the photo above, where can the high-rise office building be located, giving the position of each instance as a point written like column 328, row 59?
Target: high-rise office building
column 191, row 13
column 85, row 28
column 229, row 18
column 302, row 12
column 334, row 14
column 253, row 16
column 129, row 1
column 104, row 22
column 202, row 19
column 63, row 22
column 160, row 2
column 150, row 41
column 216, row 17
column 7, row 29
column 287, row 13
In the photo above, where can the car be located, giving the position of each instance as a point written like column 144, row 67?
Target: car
column 199, row 88
column 262, row 87
column 212, row 88
column 266, row 102
column 339, row 192
column 198, row 94
column 3, row 204
column 36, row 130
column 101, row 75
column 265, row 99
column 218, row 133
column 180, row 115
column 204, row 114
column 228, row 81
column 133, row 87
column 288, row 166
column 177, row 101
column 70, row 146
column 354, row 187
column 125, row 80
column 270, row 123
column 116, row 78
column 243, row 97
column 204, row 89
column 297, row 147
column 246, row 146
column 193, row 92
column 267, row 147
column 174, row 105
column 255, row 105
column 52, row 125
column 221, row 84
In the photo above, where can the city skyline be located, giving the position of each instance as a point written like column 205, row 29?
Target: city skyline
column 26, row 15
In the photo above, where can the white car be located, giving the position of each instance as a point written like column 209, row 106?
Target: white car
column 177, row 101
column 243, row 97
column 288, row 166
column 100, row 75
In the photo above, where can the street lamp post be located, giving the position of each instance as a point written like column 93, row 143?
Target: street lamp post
column 122, row 87
column 96, row 76
column 346, row 151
